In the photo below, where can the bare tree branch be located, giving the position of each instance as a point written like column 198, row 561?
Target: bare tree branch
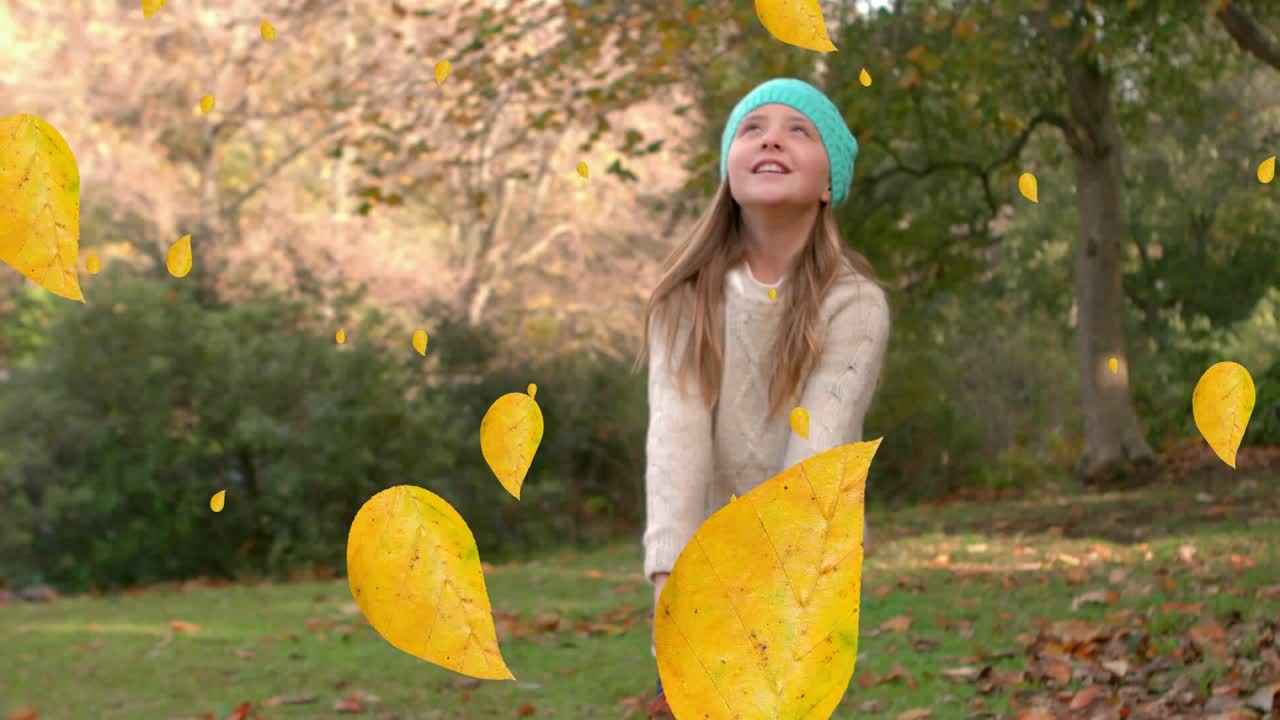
column 1249, row 36
column 982, row 172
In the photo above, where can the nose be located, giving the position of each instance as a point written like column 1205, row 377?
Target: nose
column 771, row 138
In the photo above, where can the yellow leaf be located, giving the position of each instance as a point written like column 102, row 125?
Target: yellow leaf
column 420, row 342
column 795, row 22
column 509, row 436
column 1267, row 170
column 1114, row 364
column 178, row 258
column 414, row 571
column 92, row 264
column 759, row 617
column 864, row 77
column 268, row 31
column 1221, row 405
column 442, row 71
column 151, row 7
column 340, row 336
column 800, row 422
column 40, row 205
column 1060, row 21
column 582, row 169
column 773, row 294
column 206, row 104
column 1027, row 186
column 218, row 501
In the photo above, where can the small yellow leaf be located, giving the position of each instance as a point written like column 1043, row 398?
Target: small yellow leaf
column 178, row 258
column 864, row 77
column 415, row 573
column 40, row 205
column 442, row 71
column 759, row 617
column 1114, row 364
column 795, row 22
column 800, row 422
column 1267, row 170
column 582, row 169
column 218, row 501
column 151, row 7
column 341, row 336
column 420, row 342
column 1221, row 405
column 206, row 104
column 92, row 264
column 773, row 294
column 1027, row 186
column 268, row 31
column 509, row 437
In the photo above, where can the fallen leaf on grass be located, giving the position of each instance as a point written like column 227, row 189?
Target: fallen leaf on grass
column 183, row 627
column 916, row 714
column 290, row 700
column 1095, row 597
column 350, row 704
column 526, row 710
column 965, row 673
column 1265, row 699
column 900, row 623
column 1087, row 697
column 26, row 712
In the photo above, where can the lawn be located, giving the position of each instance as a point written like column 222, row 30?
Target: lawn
column 1163, row 594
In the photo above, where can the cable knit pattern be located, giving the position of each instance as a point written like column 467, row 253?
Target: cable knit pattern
column 697, row 457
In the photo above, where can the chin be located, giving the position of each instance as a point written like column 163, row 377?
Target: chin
column 769, row 199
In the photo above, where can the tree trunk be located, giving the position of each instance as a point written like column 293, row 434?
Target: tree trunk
column 1113, row 436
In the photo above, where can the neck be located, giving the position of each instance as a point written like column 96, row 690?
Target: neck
column 774, row 238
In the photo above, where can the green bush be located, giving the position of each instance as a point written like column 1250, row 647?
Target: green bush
column 124, row 416
column 127, row 414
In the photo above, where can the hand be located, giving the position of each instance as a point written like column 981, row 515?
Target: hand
column 659, row 579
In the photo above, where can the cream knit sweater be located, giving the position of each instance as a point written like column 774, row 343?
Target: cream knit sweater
column 696, row 457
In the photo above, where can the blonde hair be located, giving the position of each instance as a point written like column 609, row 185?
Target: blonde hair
column 692, row 283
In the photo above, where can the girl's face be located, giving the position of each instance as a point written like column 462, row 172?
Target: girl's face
column 777, row 158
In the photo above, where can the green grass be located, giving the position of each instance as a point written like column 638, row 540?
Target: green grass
column 972, row 577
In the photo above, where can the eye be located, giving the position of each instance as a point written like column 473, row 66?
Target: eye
column 749, row 126
column 802, row 129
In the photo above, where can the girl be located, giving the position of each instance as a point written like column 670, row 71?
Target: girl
column 767, row 310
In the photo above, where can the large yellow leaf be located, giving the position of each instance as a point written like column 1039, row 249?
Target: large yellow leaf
column 39, row 205
column 415, row 573
column 795, row 22
column 509, row 436
column 759, row 617
column 1221, row 405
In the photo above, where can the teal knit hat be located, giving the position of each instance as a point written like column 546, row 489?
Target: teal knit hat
column 841, row 146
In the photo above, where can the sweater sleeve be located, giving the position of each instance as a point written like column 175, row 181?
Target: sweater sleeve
column 843, row 381
column 678, row 455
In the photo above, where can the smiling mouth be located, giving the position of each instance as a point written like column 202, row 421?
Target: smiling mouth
column 769, row 167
